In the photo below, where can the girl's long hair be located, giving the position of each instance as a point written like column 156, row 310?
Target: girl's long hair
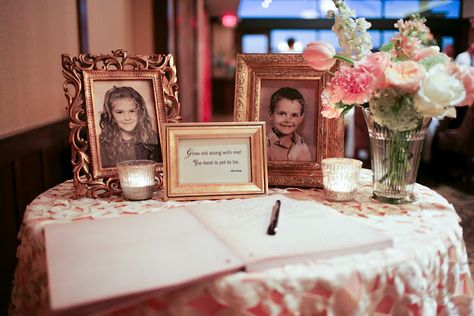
column 111, row 135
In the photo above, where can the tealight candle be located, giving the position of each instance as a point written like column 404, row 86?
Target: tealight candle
column 137, row 178
column 340, row 178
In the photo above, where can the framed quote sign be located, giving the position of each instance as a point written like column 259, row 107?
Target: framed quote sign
column 214, row 160
column 285, row 92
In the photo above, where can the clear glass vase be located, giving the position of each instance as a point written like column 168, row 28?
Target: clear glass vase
column 395, row 157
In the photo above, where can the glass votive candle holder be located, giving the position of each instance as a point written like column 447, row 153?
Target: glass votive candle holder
column 137, row 178
column 340, row 178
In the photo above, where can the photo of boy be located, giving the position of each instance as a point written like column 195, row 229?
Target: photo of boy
column 286, row 113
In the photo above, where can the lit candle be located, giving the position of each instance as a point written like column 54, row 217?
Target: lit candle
column 137, row 178
column 340, row 178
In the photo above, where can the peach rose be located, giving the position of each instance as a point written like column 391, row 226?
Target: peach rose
column 320, row 55
column 425, row 52
column 405, row 75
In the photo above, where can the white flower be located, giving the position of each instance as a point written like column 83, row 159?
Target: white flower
column 438, row 92
column 352, row 33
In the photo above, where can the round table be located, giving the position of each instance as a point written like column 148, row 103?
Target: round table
column 425, row 273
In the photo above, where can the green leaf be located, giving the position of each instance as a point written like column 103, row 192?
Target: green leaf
column 340, row 105
column 431, row 61
column 387, row 47
column 345, row 107
column 399, row 58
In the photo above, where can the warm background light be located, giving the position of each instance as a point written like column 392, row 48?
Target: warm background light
column 229, row 20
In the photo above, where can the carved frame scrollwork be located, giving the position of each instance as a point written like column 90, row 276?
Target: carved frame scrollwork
column 75, row 69
column 253, row 70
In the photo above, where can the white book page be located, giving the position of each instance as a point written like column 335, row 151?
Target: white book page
column 94, row 261
column 306, row 230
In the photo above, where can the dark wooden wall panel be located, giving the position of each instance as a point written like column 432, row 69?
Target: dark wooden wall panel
column 8, row 231
column 28, row 178
column 56, row 164
column 223, row 96
column 31, row 163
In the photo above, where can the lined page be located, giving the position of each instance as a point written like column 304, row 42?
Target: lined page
column 306, row 230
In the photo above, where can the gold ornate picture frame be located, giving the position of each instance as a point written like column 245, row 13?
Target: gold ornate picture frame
column 214, row 160
column 92, row 87
column 261, row 78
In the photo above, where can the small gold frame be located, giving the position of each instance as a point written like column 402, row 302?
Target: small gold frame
column 259, row 72
column 214, row 160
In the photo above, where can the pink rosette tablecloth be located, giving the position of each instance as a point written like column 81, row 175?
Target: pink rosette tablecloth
column 425, row 273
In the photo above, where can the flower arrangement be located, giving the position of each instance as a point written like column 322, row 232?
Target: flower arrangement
column 404, row 82
column 401, row 88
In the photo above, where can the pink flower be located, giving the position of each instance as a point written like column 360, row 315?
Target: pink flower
column 320, row 55
column 375, row 63
column 352, row 86
column 405, row 46
column 329, row 109
column 405, row 75
column 425, row 52
column 407, row 27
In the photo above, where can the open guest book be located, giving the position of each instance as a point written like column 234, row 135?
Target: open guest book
column 94, row 264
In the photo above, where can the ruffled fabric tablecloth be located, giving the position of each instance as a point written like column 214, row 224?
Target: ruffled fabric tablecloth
column 425, row 273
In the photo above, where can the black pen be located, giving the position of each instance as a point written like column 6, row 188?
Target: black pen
column 272, row 228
